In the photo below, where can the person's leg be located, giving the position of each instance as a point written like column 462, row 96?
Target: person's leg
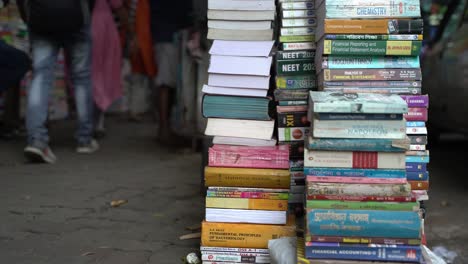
column 12, row 109
column 44, row 55
column 78, row 50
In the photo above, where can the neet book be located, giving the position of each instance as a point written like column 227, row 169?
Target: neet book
column 247, row 177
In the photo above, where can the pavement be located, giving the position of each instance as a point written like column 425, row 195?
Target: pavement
column 57, row 214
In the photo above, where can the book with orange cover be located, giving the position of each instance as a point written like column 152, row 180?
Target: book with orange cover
column 244, row 177
column 244, row 235
column 246, row 203
column 419, row 185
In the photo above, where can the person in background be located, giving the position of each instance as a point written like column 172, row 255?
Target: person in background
column 139, row 45
column 167, row 18
column 54, row 25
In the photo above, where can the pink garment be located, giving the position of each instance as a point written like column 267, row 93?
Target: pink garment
column 107, row 54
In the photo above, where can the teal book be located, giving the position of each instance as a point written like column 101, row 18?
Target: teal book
column 369, row 62
column 237, row 107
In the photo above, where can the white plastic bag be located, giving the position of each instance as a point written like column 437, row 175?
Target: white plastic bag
column 283, row 250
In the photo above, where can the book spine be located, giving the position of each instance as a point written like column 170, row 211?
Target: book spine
column 347, row 205
column 292, row 133
column 373, row 37
column 241, row 250
column 361, row 240
column 416, row 100
column 368, row 3
column 416, row 167
column 298, row 5
column 291, row 94
column 335, row 116
column 419, row 185
column 298, row 13
column 295, row 55
column 355, row 129
column 295, row 67
column 364, row 223
column 372, row 75
column 377, row 10
column 417, row 159
column 356, row 180
column 246, row 203
column 294, row 119
column 370, row 253
column 223, row 178
column 419, row 139
column 289, row 109
column 305, row 38
column 297, row 164
column 417, row 147
column 397, row 91
column 415, row 124
column 368, row 62
column 297, row 31
column 417, row 114
column 362, row 198
column 373, row 26
column 296, row 82
column 360, row 190
column 380, row 145
column 299, row 22
column 355, row 173
column 417, row 176
column 374, row 84
column 372, row 47
column 247, row 195
column 355, row 160
column 299, row 46
column 416, row 130
column 291, row 103
column 251, row 159
column 223, row 257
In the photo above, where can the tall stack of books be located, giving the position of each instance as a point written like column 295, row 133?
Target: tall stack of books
column 247, row 175
column 295, row 77
column 359, row 205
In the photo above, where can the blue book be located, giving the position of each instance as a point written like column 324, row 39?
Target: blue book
column 375, row 145
column 417, row 176
column 237, row 107
column 415, row 124
column 416, row 166
column 330, row 116
column 418, row 159
column 369, row 173
column 371, row 252
column 364, row 223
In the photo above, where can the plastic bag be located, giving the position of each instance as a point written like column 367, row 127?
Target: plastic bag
column 283, row 250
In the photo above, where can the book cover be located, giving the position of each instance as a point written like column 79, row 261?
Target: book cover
column 370, row 47
column 373, row 84
column 298, row 5
column 338, row 144
column 243, row 235
column 240, row 177
column 421, row 101
column 247, row 193
column 289, row 46
column 417, row 114
column 295, row 55
column 344, row 116
column 234, row 257
column 417, row 147
column 246, row 203
column 363, row 198
column 417, row 176
column 373, row 37
column 293, row 119
column 419, row 185
column 245, row 216
column 296, row 82
column 360, row 190
column 363, row 240
column 356, row 180
column 295, row 67
column 369, row 62
column 328, row 102
column 295, row 38
column 364, row 223
column 340, row 172
column 318, row 250
column 417, row 159
column 338, row 9
column 292, row 133
column 298, row 13
column 416, row 130
column 415, row 124
column 365, row 129
column 229, row 249
column 418, row 139
column 350, row 205
column 369, row 75
column 416, row 166
column 297, row 31
column 291, row 94
column 396, row 91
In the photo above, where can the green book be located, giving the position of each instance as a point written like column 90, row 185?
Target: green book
column 296, row 82
column 370, row 47
column 295, row 67
column 358, row 205
column 304, row 38
column 295, row 55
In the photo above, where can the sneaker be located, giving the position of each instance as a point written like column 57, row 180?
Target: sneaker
column 89, row 148
column 38, row 155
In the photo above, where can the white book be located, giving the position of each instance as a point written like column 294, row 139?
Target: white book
column 240, row 128
column 239, row 81
column 417, row 147
column 241, row 4
column 229, row 34
column 416, row 130
column 234, row 91
column 240, row 65
column 241, row 15
column 237, row 141
column 227, row 249
column 246, row 216
column 239, row 25
column 242, row 48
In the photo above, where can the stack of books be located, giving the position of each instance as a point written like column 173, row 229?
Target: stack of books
column 359, row 203
column 247, row 175
column 295, row 77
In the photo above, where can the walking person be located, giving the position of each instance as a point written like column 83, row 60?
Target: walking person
column 56, row 24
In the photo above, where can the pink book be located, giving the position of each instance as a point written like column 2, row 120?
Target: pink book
column 363, row 180
column 276, row 157
column 417, row 114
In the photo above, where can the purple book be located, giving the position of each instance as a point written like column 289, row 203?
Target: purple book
column 416, row 100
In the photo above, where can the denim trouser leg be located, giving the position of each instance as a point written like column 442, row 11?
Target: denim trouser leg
column 44, row 55
column 78, row 51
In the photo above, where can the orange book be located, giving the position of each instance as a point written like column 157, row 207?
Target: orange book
column 419, row 185
column 246, row 203
column 242, row 177
column 244, row 235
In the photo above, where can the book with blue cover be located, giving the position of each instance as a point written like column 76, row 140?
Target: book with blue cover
column 343, row 172
column 357, row 144
column 237, row 107
column 364, row 223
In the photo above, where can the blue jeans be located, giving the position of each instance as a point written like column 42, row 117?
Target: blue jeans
column 77, row 48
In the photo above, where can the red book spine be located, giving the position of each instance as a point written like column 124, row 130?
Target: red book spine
column 365, row 160
column 417, row 114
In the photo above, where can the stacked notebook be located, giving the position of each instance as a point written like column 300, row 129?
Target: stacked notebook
column 360, row 205
column 247, row 175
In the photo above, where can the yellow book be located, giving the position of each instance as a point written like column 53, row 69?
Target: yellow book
column 243, row 235
column 245, row 203
column 241, row 177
